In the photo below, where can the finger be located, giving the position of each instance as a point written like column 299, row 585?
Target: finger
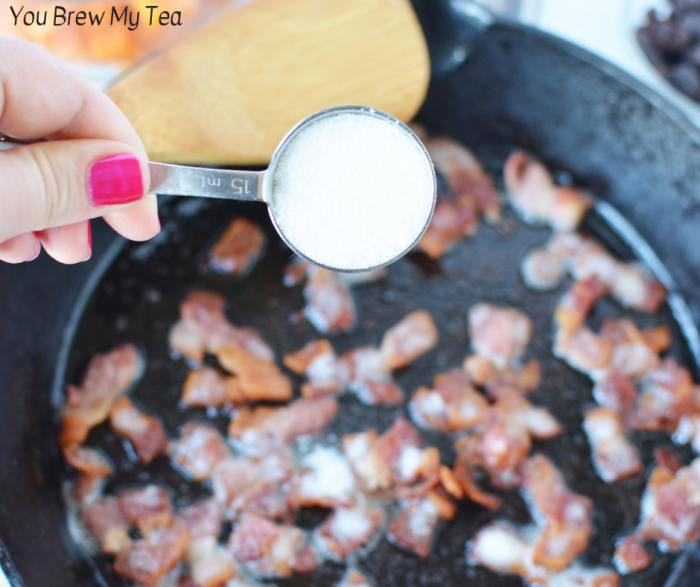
column 21, row 248
column 138, row 222
column 55, row 101
column 68, row 244
column 54, row 183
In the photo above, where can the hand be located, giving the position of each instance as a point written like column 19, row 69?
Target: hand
column 93, row 164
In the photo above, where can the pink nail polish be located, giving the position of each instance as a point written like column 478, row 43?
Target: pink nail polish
column 115, row 180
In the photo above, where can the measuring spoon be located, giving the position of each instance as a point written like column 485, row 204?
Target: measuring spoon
column 349, row 188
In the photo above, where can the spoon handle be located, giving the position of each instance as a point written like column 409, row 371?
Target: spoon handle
column 202, row 182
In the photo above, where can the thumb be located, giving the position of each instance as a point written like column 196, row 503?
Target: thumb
column 56, row 183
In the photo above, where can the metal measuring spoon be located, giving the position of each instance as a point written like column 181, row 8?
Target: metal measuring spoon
column 409, row 166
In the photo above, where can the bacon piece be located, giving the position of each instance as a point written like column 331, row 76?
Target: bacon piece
column 148, row 507
column 269, row 550
column 574, row 305
column 658, row 338
column 501, row 446
column 465, row 175
column 614, row 456
column 499, row 334
column 204, row 328
column 479, row 369
column 146, row 561
column 295, row 272
column 103, row 518
column 329, row 304
column 615, row 391
column 534, row 195
column 564, row 516
column 414, row 335
column 346, row 530
column 632, row 355
column 202, row 519
column 318, row 361
column 449, row 224
column 502, row 549
column 631, row 556
column 667, row 459
column 453, row 404
column 107, row 377
column 238, row 248
column 207, row 387
column 214, row 569
column 688, row 431
column 326, row 480
column 584, row 350
column 89, row 461
column 307, row 560
column 363, row 371
column 665, row 393
column 354, row 578
column 145, row 432
column 258, row 378
column 462, row 473
column 542, row 269
column 393, row 461
column 253, row 485
column 199, row 450
column 670, row 509
column 414, row 528
column 264, row 429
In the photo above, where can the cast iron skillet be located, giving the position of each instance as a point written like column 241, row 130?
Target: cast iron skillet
column 517, row 88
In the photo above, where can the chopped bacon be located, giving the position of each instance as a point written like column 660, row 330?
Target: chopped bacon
column 145, row 432
column 688, row 431
column 449, row 224
column 463, row 474
column 539, row 422
column 295, row 272
column 414, row 528
column 453, row 404
column 523, row 380
column 147, row 507
column 253, row 485
column 502, row 549
column 564, row 516
column 499, row 334
column 354, row 578
column 214, row 569
column 363, row 371
column 634, row 287
column 199, row 450
column 407, row 340
column 318, row 361
column 631, row 556
column 207, row 387
column 146, row 561
column 204, row 328
column 670, row 509
column 202, row 519
column 632, row 355
column 658, row 338
column 329, row 304
column 574, row 305
column 615, row 391
column 326, row 480
column 667, row 459
column 258, row 378
column 89, row 461
column 393, row 461
column 501, row 446
column 533, row 194
column 107, row 377
column 103, row 518
column 479, row 369
column 307, row 560
column 266, row 549
column 238, row 248
column 465, row 175
column 614, row 456
column 584, row 350
column 665, row 392
column 542, row 269
column 346, row 530
column 264, row 429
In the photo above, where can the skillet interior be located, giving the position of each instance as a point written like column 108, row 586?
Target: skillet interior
column 515, row 90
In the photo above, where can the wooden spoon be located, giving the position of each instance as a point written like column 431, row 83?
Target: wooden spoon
column 229, row 92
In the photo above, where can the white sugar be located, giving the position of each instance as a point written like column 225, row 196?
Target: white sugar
column 352, row 191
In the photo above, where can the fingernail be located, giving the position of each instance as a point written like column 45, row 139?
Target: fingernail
column 89, row 241
column 115, row 180
column 38, row 250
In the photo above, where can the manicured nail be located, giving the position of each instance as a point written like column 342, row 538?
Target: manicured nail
column 115, row 180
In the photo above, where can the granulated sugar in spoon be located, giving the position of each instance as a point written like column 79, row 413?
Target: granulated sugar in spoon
column 349, row 188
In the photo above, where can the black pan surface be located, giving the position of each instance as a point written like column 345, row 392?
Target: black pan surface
column 518, row 88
